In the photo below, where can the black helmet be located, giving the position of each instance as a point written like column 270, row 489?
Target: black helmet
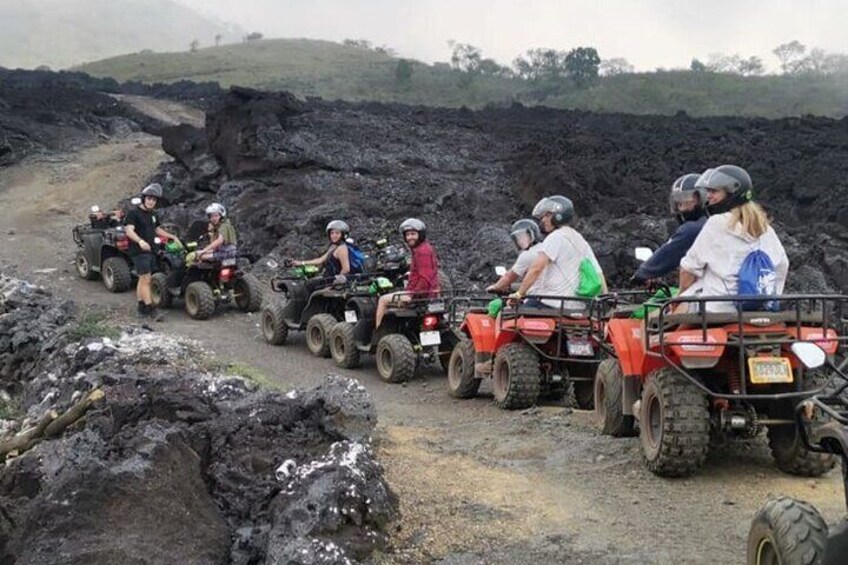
column 684, row 188
column 154, row 190
column 414, row 224
column 340, row 226
column 529, row 227
column 561, row 207
column 734, row 180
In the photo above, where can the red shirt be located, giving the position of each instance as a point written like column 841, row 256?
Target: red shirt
column 424, row 270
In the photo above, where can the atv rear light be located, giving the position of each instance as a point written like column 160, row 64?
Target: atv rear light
column 430, row 322
column 225, row 275
column 699, row 362
column 123, row 243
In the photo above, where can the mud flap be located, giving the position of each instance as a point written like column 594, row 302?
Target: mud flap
column 630, row 394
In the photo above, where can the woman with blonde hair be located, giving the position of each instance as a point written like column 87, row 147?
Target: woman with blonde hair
column 737, row 226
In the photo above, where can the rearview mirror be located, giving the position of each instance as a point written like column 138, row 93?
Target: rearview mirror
column 95, row 209
column 500, row 270
column 643, row 253
column 810, row 354
column 272, row 264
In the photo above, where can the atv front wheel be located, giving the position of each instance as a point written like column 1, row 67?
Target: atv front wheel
column 396, row 360
column 609, row 407
column 787, row 531
column 274, row 328
column 160, row 294
column 462, row 382
column 83, row 266
column 199, row 301
column 517, row 380
column 674, row 425
column 343, row 346
column 116, row 274
column 318, row 330
column 248, row 293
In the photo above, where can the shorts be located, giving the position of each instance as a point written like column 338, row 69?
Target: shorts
column 144, row 263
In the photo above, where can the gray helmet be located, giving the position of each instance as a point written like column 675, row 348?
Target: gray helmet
column 216, row 208
column 561, row 207
column 340, row 226
column 529, row 227
column 734, row 180
column 414, row 224
column 154, row 190
column 685, row 187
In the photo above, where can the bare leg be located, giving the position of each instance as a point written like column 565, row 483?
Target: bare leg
column 382, row 306
column 144, row 289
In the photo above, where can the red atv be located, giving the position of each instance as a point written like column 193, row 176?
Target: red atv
column 689, row 378
column 527, row 352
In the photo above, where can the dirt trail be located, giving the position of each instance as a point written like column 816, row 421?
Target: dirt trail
column 477, row 485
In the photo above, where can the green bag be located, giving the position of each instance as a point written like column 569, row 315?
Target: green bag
column 654, row 302
column 590, row 281
column 495, row 307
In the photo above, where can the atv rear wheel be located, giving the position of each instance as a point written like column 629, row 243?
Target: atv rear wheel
column 787, row 446
column 248, row 293
column 396, row 359
column 343, row 346
column 674, row 425
column 83, row 266
column 462, row 382
column 517, row 380
column 274, row 328
column 609, row 407
column 160, row 294
column 318, row 330
column 787, row 531
column 199, row 301
column 116, row 274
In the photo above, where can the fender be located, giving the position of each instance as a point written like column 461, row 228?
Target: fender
column 628, row 341
column 533, row 329
column 482, row 330
column 829, row 343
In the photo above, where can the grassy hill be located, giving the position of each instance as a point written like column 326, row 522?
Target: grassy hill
column 335, row 71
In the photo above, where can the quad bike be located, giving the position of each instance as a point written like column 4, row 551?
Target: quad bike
column 392, row 261
column 203, row 285
column 788, row 531
column 414, row 331
column 527, row 351
column 686, row 379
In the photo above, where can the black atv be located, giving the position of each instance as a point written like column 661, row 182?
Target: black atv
column 204, row 285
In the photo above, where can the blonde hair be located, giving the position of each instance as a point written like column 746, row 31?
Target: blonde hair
column 751, row 217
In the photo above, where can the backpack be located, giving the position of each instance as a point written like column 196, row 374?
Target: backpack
column 757, row 277
column 590, row 281
column 356, row 258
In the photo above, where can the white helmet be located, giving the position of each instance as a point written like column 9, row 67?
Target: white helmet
column 216, row 208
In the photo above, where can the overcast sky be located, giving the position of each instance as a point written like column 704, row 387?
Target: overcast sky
column 649, row 33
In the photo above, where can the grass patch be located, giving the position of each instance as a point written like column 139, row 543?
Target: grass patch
column 92, row 323
column 246, row 371
column 10, row 409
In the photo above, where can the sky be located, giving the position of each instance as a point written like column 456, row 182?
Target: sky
column 649, row 33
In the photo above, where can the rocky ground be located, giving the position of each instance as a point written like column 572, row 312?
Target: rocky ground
column 474, row 484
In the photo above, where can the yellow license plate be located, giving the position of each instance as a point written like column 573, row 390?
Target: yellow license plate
column 770, row 370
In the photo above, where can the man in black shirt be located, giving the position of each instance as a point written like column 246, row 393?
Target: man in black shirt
column 142, row 228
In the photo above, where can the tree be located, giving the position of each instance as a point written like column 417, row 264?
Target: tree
column 697, row 66
column 465, row 57
column 790, row 54
column 752, row 66
column 616, row 66
column 358, row 44
column 253, row 36
column 194, row 45
column 541, row 65
column 582, row 65
column 218, row 38
column 403, row 71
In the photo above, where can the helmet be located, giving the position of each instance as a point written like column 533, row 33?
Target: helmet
column 684, row 188
column 216, row 208
column 338, row 225
column 561, row 207
column 735, row 180
column 154, row 190
column 414, row 224
column 529, row 227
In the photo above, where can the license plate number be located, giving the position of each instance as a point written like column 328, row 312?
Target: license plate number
column 580, row 349
column 228, row 262
column 769, row 370
column 430, row 338
column 351, row 317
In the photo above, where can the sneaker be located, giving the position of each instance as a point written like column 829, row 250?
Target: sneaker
column 155, row 314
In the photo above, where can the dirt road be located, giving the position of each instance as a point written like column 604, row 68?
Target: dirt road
column 476, row 484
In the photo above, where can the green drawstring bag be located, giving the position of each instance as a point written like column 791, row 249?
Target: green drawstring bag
column 654, row 302
column 495, row 307
column 590, row 281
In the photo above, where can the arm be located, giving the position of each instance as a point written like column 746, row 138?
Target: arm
column 687, row 279
column 317, row 262
column 130, row 231
column 213, row 245
column 667, row 258
column 504, row 283
column 539, row 265
column 343, row 255
column 165, row 234
column 694, row 263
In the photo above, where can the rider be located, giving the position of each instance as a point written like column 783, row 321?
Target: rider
column 222, row 235
column 687, row 203
column 737, row 226
column 526, row 236
column 423, row 269
column 557, row 266
column 336, row 260
column 142, row 228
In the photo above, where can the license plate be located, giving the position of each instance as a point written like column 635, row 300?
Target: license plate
column 351, row 317
column 580, row 349
column 228, row 262
column 769, row 370
column 430, row 338
column 436, row 307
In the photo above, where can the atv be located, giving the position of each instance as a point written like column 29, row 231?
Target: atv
column 689, row 379
column 527, row 351
column 786, row 530
column 414, row 331
column 204, row 285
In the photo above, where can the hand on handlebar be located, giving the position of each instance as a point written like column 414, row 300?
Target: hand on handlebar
column 340, row 279
column 143, row 245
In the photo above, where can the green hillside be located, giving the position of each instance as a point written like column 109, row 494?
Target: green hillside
column 335, row 71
